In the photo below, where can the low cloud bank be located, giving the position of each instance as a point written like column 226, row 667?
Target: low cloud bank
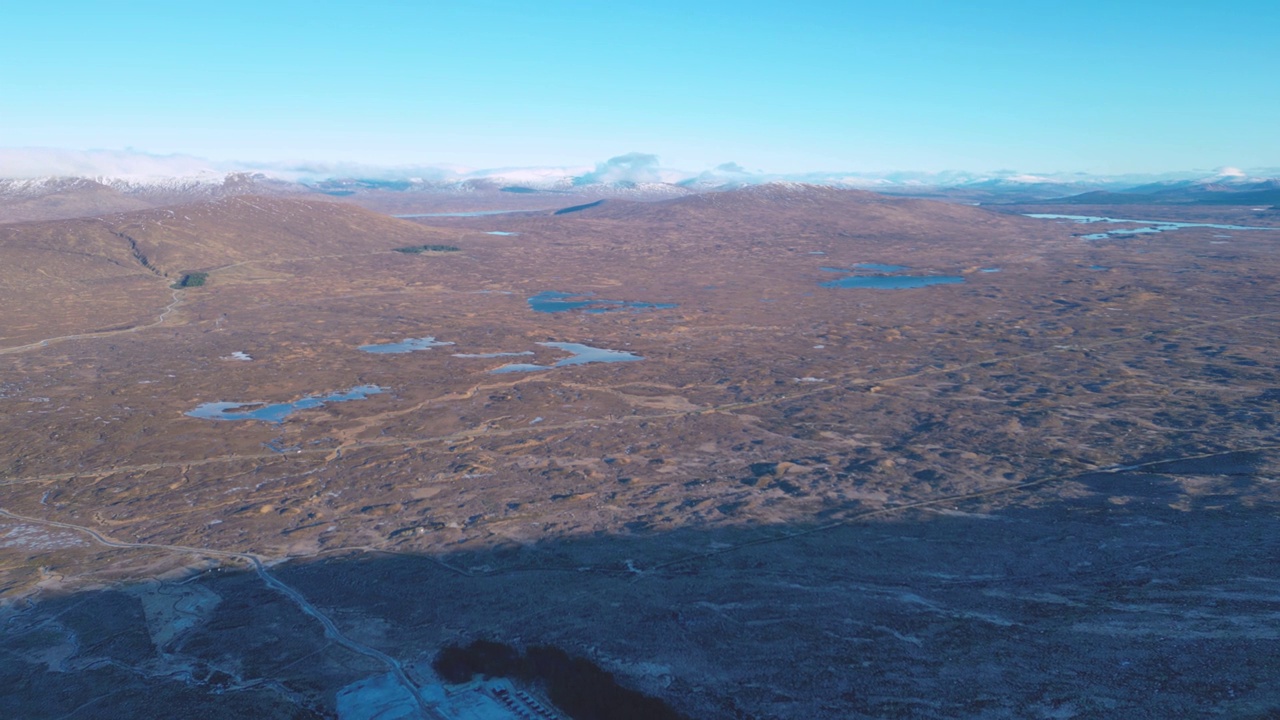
column 25, row 163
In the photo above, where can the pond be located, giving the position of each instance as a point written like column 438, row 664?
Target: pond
column 580, row 355
column 1150, row 226
column 552, row 301
column 278, row 412
column 407, row 345
column 888, row 282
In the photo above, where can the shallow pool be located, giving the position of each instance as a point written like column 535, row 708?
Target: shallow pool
column 581, row 355
column 278, row 412
column 407, row 345
column 553, row 301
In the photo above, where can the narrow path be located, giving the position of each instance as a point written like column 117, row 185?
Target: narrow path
column 178, row 296
column 397, row 669
column 330, row 629
column 485, row 432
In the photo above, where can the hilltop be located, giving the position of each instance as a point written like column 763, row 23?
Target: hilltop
column 767, row 212
column 61, row 198
column 612, row 183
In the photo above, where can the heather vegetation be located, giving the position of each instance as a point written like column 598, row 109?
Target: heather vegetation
column 419, row 249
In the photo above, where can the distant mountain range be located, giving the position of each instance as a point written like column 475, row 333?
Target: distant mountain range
column 120, row 186
column 1230, row 190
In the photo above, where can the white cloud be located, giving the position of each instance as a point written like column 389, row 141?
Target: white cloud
column 634, row 167
column 21, row 163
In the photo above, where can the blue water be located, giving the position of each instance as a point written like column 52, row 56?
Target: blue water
column 1170, row 224
column 277, row 413
column 581, row 355
column 404, row 346
column 1152, row 226
column 519, row 367
column 553, row 301
column 892, row 282
column 989, row 270
column 501, row 232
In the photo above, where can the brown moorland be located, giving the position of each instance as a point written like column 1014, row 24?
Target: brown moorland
column 96, row 275
column 1044, row 488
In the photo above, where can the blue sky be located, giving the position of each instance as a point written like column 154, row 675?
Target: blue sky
column 1105, row 87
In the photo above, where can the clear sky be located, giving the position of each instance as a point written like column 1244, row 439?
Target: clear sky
column 781, row 86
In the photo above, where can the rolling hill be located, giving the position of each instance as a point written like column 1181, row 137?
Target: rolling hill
column 103, row 274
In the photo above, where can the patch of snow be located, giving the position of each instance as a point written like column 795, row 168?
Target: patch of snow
column 35, row 537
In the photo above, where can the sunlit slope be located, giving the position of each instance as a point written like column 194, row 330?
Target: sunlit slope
column 777, row 210
column 245, row 229
column 58, row 198
column 69, row 277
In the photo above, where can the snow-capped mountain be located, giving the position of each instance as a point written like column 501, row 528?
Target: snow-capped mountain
column 110, row 181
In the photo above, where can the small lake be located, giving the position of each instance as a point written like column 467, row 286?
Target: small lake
column 501, row 232
column 1150, row 226
column 552, row 301
column 404, row 346
column 886, row 282
column 278, row 412
column 580, row 355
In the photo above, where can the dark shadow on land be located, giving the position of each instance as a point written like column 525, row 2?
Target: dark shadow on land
column 1142, row 594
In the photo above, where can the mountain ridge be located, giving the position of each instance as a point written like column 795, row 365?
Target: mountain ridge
column 61, row 197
